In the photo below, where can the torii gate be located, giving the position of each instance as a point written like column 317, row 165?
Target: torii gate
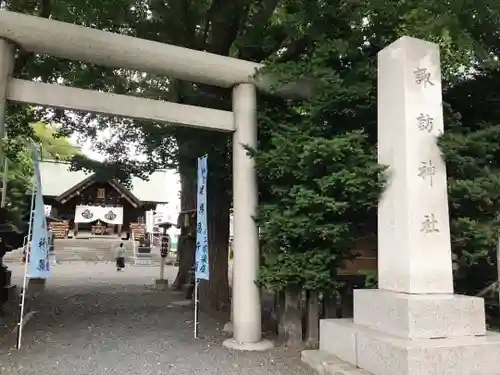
column 88, row 45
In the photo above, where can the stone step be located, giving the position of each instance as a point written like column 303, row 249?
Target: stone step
column 80, row 253
column 97, row 251
column 327, row 364
column 97, row 256
column 91, row 251
column 104, row 245
column 380, row 353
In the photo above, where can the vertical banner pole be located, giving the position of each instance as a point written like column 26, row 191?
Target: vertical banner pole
column 30, row 225
column 27, row 250
column 23, row 297
column 197, row 282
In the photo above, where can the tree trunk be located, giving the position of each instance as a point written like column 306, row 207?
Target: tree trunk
column 187, row 244
column 347, row 300
column 292, row 318
column 312, row 320
column 214, row 293
column 331, row 306
column 280, row 313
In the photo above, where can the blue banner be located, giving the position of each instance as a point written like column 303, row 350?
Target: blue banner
column 202, row 267
column 39, row 264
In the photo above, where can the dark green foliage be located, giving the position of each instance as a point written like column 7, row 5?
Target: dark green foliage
column 338, row 46
column 472, row 152
column 318, row 174
column 20, row 165
column 324, row 191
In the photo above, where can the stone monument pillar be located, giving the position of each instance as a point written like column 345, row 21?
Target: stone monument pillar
column 413, row 324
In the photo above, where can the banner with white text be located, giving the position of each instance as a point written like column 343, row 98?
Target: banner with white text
column 202, row 265
column 39, row 264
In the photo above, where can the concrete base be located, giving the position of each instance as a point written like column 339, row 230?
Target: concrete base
column 36, row 285
column 160, row 284
column 259, row 346
column 419, row 315
column 383, row 354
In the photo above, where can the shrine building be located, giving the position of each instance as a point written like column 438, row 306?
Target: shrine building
column 82, row 205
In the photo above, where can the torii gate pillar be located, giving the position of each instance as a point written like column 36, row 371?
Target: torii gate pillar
column 246, row 305
column 6, row 66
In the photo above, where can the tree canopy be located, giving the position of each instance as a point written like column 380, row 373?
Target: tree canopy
column 53, row 146
column 20, row 165
column 319, row 179
column 317, row 157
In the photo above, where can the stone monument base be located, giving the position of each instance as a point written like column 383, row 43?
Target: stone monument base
column 414, row 316
column 380, row 353
column 160, row 284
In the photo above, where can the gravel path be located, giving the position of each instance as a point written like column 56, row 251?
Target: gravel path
column 94, row 320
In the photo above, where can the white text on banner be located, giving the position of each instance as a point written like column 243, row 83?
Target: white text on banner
column 39, row 264
column 202, row 265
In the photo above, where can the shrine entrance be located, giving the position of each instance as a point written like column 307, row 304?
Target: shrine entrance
column 97, row 207
column 98, row 220
column 87, row 45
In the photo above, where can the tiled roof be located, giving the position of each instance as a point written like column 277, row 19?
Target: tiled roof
column 57, row 178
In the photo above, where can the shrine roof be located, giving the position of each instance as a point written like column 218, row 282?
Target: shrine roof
column 57, row 178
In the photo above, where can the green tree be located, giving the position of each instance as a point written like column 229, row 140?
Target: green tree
column 19, row 181
column 20, row 166
column 317, row 160
column 472, row 152
column 245, row 28
column 53, row 146
column 323, row 198
column 335, row 43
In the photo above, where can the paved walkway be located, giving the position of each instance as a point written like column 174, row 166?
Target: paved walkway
column 93, row 320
